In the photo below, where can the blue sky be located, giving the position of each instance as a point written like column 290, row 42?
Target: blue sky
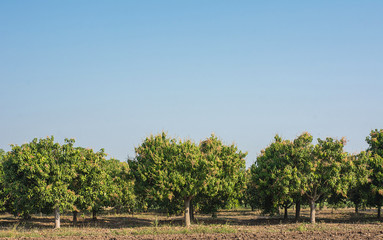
column 110, row 73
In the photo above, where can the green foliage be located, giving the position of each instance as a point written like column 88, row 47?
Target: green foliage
column 42, row 175
column 169, row 172
column 375, row 185
column 360, row 173
column 251, row 195
column 122, row 196
column 375, row 142
column 275, row 179
column 37, row 176
column 269, row 175
column 287, row 170
column 91, row 183
column 327, row 170
column 2, row 155
column 228, row 178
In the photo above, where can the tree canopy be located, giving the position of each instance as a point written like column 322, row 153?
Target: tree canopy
column 168, row 170
column 38, row 174
column 177, row 175
column 375, row 163
column 325, row 171
column 276, row 176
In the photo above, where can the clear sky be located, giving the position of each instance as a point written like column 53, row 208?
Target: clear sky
column 110, row 73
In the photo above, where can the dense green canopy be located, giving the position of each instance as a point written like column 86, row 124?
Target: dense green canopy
column 276, row 176
column 169, row 171
column 375, row 164
column 175, row 175
column 38, row 174
column 287, row 171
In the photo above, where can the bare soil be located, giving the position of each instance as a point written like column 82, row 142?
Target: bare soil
column 230, row 224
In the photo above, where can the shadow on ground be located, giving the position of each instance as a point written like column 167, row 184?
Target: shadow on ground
column 236, row 218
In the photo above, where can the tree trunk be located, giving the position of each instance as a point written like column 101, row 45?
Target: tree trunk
column 286, row 216
column 379, row 207
column 297, row 210
column 75, row 218
column 94, row 215
column 187, row 211
column 356, row 208
column 252, row 208
column 312, row 211
column 57, row 217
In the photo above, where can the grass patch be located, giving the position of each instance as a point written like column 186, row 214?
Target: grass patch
column 318, row 227
column 120, row 232
column 39, row 233
column 183, row 230
column 18, row 234
column 300, row 228
column 66, row 232
column 18, row 230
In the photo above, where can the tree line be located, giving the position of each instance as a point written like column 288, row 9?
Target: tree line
column 181, row 176
column 45, row 177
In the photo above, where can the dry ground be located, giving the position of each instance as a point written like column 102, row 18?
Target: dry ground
column 230, row 224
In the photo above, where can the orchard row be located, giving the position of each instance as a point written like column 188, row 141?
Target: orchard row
column 184, row 177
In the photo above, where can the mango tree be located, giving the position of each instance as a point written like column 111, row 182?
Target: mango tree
column 168, row 170
column 358, row 191
column 37, row 175
column 326, row 171
column 301, row 151
column 375, row 142
column 275, row 177
column 91, row 183
column 229, row 180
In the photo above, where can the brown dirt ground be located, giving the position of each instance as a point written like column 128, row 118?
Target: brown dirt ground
column 242, row 224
